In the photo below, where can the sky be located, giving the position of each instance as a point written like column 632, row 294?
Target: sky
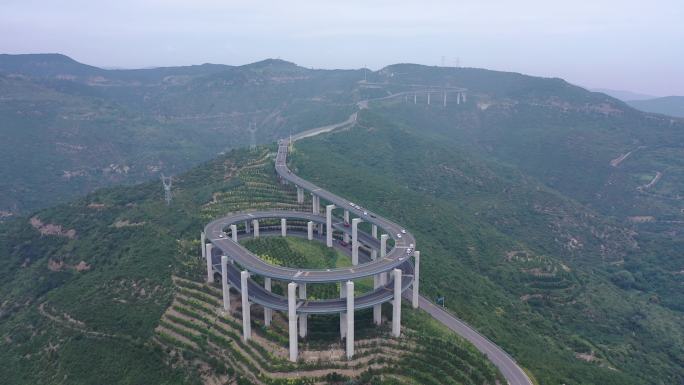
column 616, row 44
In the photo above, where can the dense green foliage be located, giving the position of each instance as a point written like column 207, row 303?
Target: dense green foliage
column 525, row 265
column 548, row 216
column 99, row 303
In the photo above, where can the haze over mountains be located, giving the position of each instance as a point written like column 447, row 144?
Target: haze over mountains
column 551, row 216
column 79, row 127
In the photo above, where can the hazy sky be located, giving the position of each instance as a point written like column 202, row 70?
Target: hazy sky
column 619, row 44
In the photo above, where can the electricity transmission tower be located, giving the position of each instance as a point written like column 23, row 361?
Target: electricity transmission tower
column 166, row 182
column 252, row 136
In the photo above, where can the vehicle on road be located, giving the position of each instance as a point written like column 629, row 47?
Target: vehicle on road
column 403, row 231
column 398, row 235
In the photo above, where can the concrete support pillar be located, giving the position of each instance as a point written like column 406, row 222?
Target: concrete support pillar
column 319, row 228
column 415, row 99
column 428, row 98
column 292, row 319
column 315, row 204
column 464, row 97
column 374, row 254
column 355, row 241
column 458, row 98
column 416, row 276
column 268, row 313
column 444, row 98
column 377, row 309
column 374, row 231
column 246, row 316
column 210, row 268
column 346, row 222
column 328, row 225
column 383, row 245
column 224, row 283
column 343, row 315
column 255, row 224
column 396, row 304
column 247, row 228
column 309, row 230
column 203, row 240
column 303, row 318
column 300, row 195
column 233, row 232
column 283, row 227
column 350, row 319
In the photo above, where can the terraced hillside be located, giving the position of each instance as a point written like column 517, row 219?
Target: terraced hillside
column 110, row 284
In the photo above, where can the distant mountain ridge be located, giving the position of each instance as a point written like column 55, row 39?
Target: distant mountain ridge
column 77, row 127
column 668, row 105
column 624, row 95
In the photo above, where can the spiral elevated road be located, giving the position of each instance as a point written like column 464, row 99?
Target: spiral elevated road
column 396, row 257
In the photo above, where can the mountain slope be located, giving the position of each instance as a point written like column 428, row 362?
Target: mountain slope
column 110, row 289
column 74, row 127
column 509, row 255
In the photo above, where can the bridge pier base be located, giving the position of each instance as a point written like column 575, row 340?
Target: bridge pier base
column 383, row 245
column 303, row 318
column 346, row 223
column 309, row 230
column 377, row 309
column 355, row 241
column 315, row 204
column 210, row 268
column 328, row 225
column 225, row 286
column 374, row 231
column 255, row 224
column 300, row 195
column 350, row 319
column 233, row 232
column 396, row 304
column 292, row 320
column 343, row 315
column 416, row 279
column 283, row 227
column 246, row 315
column 268, row 313
column 247, row 228
column 203, row 241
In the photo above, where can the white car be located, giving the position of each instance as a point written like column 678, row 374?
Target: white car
column 220, row 235
column 408, row 251
column 398, row 235
column 411, row 245
column 403, row 231
column 352, row 204
column 365, row 213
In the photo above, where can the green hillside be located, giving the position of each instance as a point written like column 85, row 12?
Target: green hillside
column 550, row 217
column 68, row 128
column 530, row 268
column 109, row 289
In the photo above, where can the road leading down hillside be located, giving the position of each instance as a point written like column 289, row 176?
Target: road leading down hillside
column 503, row 361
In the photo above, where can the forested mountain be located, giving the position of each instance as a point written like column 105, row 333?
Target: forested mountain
column 68, row 128
column 549, row 217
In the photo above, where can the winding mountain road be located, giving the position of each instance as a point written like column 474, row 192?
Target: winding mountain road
column 508, row 367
